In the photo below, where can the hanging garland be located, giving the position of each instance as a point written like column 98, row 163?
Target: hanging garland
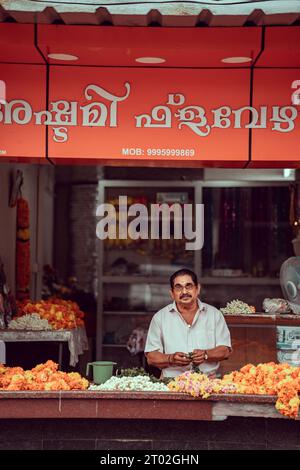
column 22, row 250
column 295, row 206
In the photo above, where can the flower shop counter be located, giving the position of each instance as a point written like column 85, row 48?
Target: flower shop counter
column 255, row 338
column 133, row 405
column 262, row 319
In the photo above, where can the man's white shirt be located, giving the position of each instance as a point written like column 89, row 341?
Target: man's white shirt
column 169, row 333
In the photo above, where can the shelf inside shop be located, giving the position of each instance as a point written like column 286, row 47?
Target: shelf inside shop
column 127, row 313
column 113, row 345
column 135, row 251
column 253, row 281
column 134, row 279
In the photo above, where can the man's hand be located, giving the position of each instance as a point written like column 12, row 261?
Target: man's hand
column 198, row 356
column 179, row 359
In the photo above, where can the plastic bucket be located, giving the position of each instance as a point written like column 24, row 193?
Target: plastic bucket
column 102, row 370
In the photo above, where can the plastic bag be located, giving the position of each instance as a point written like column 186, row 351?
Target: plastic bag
column 276, row 306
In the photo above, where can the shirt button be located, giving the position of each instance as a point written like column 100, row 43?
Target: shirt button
column 189, row 326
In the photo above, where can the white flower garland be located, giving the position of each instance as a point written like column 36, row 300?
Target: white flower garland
column 138, row 383
column 30, row 322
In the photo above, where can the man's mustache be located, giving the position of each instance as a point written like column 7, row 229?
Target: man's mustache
column 186, row 296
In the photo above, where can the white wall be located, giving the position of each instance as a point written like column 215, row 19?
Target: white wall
column 45, row 222
column 38, row 191
column 231, row 174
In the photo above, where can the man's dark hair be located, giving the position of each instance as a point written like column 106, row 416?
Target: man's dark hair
column 184, row 272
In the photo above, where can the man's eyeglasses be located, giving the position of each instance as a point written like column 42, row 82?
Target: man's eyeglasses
column 188, row 287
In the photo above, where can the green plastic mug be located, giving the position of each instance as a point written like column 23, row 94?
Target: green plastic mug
column 102, row 370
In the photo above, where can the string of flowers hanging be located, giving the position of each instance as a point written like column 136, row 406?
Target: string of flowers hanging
column 295, row 206
column 22, row 249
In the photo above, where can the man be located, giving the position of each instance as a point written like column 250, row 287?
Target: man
column 187, row 326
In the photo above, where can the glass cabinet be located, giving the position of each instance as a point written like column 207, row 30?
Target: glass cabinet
column 247, row 236
column 247, row 231
column 133, row 281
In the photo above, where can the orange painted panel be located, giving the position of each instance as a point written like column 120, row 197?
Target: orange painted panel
column 19, row 136
column 282, row 47
column 121, row 46
column 17, row 44
column 119, row 135
column 273, row 147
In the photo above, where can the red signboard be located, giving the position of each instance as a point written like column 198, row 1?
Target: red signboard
column 277, row 91
column 120, row 47
column 25, row 92
column 17, row 44
column 149, row 114
column 186, row 117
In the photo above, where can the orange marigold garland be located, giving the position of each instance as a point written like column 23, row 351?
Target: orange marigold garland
column 282, row 380
column 61, row 314
column 22, row 250
column 42, row 377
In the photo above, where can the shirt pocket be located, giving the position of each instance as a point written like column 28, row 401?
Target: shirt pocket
column 210, row 338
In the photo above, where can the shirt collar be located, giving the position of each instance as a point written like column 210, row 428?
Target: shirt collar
column 173, row 306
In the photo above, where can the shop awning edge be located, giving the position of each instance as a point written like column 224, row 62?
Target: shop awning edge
column 133, row 13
